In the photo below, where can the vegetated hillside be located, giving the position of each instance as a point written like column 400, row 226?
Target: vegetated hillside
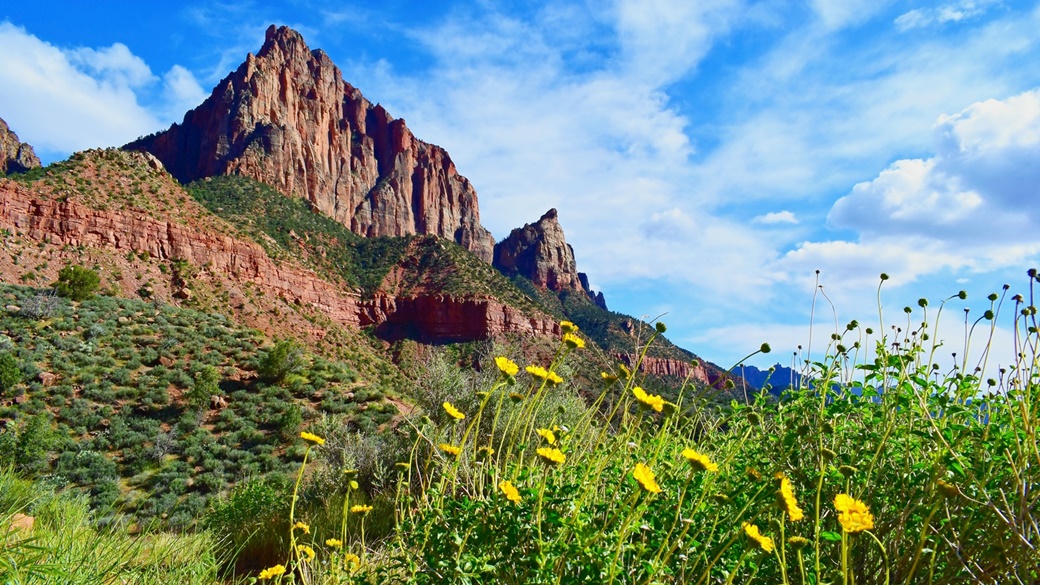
column 120, row 214
column 413, row 266
column 155, row 408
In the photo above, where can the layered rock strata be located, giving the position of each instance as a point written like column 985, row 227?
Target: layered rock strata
column 424, row 317
column 287, row 118
column 15, row 156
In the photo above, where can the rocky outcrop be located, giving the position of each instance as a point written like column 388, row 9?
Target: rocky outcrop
column 15, row 156
column 287, row 118
column 447, row 318
column 678, row 369
column 539, row 252
column 428, row 317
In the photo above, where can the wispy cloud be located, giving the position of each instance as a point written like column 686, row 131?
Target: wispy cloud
column 775, row 217
column 953, row 12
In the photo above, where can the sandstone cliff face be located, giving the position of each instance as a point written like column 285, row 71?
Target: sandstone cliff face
column 287, row 118
column 540, row 252
column 670, row 368
column 425, row 317
column 15, row 156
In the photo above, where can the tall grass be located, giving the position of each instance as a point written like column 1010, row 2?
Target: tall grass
column 880, row 468
column 66, row 545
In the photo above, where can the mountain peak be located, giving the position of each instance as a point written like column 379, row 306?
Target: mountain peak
column 540, row 252
column 15, row 156
column 287, row 118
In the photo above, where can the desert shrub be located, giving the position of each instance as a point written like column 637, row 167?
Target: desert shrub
column 77, row 283
column 279, row 361
column 10, row 372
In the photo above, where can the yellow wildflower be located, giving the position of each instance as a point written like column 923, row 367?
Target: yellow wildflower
column 648, row 400
column 361, row 509
column 312, row 438
column 271, row 572
column 306, row 552
column 608, row 377
column 698, row 461
column 573, row 341
column 788, row 502
column 451, row 449
column 453, row 412
column 301, row 526
column 334, row 543
column 351, row 560
column 553, row 378
column 516, row 397
column 552, row 455
column 547, row 435
column 506, row 365
column 537, row 372
column 510, row 491
column 764, row 542
column 645, row 477
column 854, row 515
column 567, row 327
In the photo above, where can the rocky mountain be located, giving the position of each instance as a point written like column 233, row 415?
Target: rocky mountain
column 15, row 156
column 540, row 252
column 287, row 118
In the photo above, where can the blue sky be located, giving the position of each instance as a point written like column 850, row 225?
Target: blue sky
column 706, row 158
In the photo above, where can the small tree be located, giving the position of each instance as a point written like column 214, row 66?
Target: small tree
column 77, row 283
column 206, row 386
column 283, row 359
column 10, row 373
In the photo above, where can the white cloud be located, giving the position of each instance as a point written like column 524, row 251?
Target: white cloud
column 663, row 39
column 977, row 192
column 182, row 92
column 775, row 217
column 63, row 100
column 954, row 12
column 54, row 102
column 836, row 14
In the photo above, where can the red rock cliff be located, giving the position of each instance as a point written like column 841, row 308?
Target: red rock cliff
column 287, row 118
column 15, row 156
column 539, row 252
column 428, row 317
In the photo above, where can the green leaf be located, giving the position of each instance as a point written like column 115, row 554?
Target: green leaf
column 831, row 536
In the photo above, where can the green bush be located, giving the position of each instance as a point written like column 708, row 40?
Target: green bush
column 77, row 283
column 286, row 357
column 10, row 373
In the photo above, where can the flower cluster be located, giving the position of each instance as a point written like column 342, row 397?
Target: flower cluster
column 788, row 503
column 646, row 478
column 271, row 572
column 648, row 400
column 699, row 461
column 510, row 491
column 763, row 542
column 506, row 366
column 453, row 412
column 542, row 373
column 552, row 455
column 853, row 515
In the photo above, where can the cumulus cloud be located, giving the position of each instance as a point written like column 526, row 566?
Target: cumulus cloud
column 62, row 100
column 70, row 100
column 182, row 92
column 970, row 207
column 775, row 217
column 978, row 189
